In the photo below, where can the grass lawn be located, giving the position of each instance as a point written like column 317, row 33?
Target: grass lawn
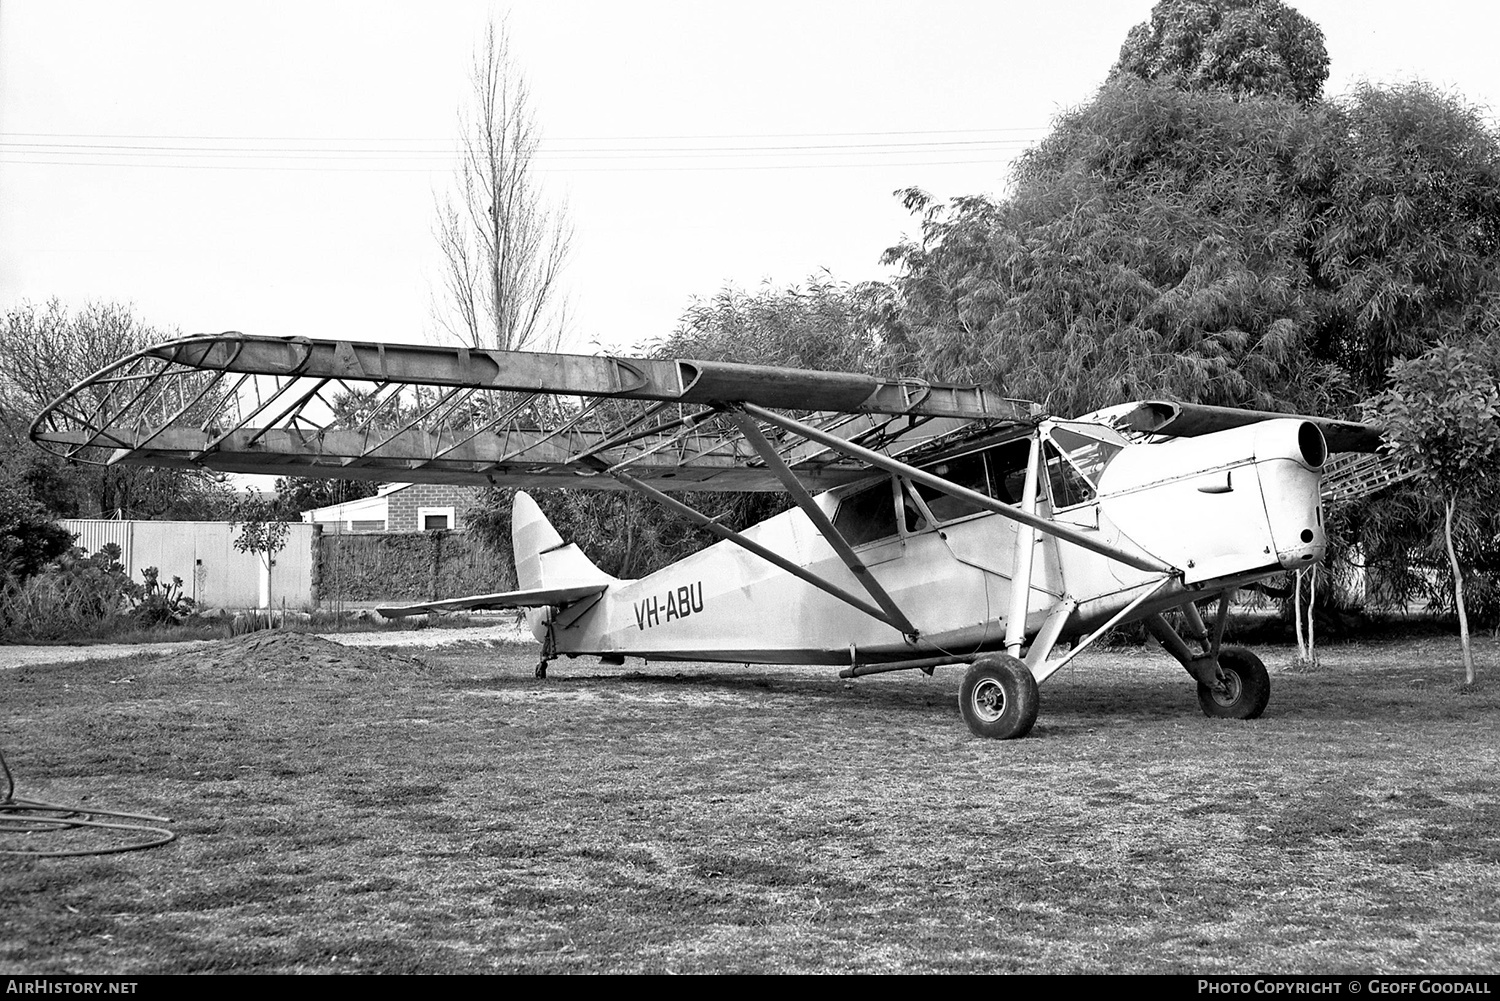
column 344, row 810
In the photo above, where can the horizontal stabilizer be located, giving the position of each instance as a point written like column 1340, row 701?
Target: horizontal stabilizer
column 539, row 597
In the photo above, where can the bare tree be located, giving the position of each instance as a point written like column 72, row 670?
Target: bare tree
column 503, row 245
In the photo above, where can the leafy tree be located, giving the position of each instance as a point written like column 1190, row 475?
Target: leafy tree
column 262, row 530
column 1402, row 196
column 821, row 324
column 1248, row 48
column 1253, row 252
column 295, row 494
column 28, row 538
column 1441, row 415
column 1148, row 248
column 1405, row 255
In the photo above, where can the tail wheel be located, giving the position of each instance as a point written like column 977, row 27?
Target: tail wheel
column 1243, row 688
column 999, row 698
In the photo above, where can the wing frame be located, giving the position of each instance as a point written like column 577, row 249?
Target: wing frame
column 246, row 404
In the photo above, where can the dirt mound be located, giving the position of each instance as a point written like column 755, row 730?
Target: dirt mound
column 278, row 655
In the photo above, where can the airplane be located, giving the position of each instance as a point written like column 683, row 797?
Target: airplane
column 931, row 525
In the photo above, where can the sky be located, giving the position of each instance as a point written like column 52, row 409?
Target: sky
column 274, row 167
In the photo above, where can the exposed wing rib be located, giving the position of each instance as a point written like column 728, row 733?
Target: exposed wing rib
column 679, row 381
column 1352, row 476
column 365, row 410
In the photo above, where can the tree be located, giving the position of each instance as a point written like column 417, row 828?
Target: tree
column 1253, row 251
column 28, row 538
column 503, row 247
column 1149, row 247
column 295, row 494
column 1441, row 415
column 44, row 352
column 821, row 324
column 1402, row 195
column 1247, row 48
column 262, row 532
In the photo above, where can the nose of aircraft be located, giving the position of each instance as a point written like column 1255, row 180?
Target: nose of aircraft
column 1289, row 455
column 1226, row 503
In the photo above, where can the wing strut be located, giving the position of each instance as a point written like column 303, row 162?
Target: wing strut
column 699, row 518
column 1020, row 581
column 972, row 496
column 821, row 521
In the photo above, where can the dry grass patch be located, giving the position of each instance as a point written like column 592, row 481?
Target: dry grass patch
column 345, row 810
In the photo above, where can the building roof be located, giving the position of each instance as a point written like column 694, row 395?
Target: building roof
column 365, row 509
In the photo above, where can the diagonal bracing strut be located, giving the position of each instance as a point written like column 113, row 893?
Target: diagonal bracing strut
column 751, row 430
column 770, row 556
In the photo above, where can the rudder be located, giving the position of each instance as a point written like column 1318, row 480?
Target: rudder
column 543, row 559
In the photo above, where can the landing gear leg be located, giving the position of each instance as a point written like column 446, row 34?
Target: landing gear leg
column 1232, row 681
column 549, row 652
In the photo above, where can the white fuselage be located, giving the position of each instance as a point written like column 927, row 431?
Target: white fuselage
column 1221, row 509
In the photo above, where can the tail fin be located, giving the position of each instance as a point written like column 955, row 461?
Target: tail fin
column 542, row 558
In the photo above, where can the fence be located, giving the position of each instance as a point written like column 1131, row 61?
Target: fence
column 407, row 566
column 202, row 553
column 315, row 568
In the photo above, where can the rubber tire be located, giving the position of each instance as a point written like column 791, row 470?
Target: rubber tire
column 999, row 698
column 1250, row 687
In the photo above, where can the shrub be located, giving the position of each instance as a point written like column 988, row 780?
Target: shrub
column 79, row 595
column 161, row 604
column 28, row 538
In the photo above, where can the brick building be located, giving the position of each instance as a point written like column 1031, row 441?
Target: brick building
column 399, row 507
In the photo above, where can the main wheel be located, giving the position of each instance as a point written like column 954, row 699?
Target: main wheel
column 1244, row 690
column 998, row 698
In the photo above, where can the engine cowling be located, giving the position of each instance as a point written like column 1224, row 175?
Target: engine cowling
column 1223, row 504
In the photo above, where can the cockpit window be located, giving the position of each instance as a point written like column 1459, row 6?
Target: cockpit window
column 968, row 471
column 1008, row 465
column 1074, row 462
column 1088, row 453
column 867, row 515
column 998, row 472
column 1068, row 485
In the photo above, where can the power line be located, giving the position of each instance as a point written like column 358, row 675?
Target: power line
column 680, row 157
column 993, row 146
column 671, row 138
column 624, row 151
column 541, row 169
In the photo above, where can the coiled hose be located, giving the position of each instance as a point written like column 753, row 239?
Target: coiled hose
column 27, row 816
